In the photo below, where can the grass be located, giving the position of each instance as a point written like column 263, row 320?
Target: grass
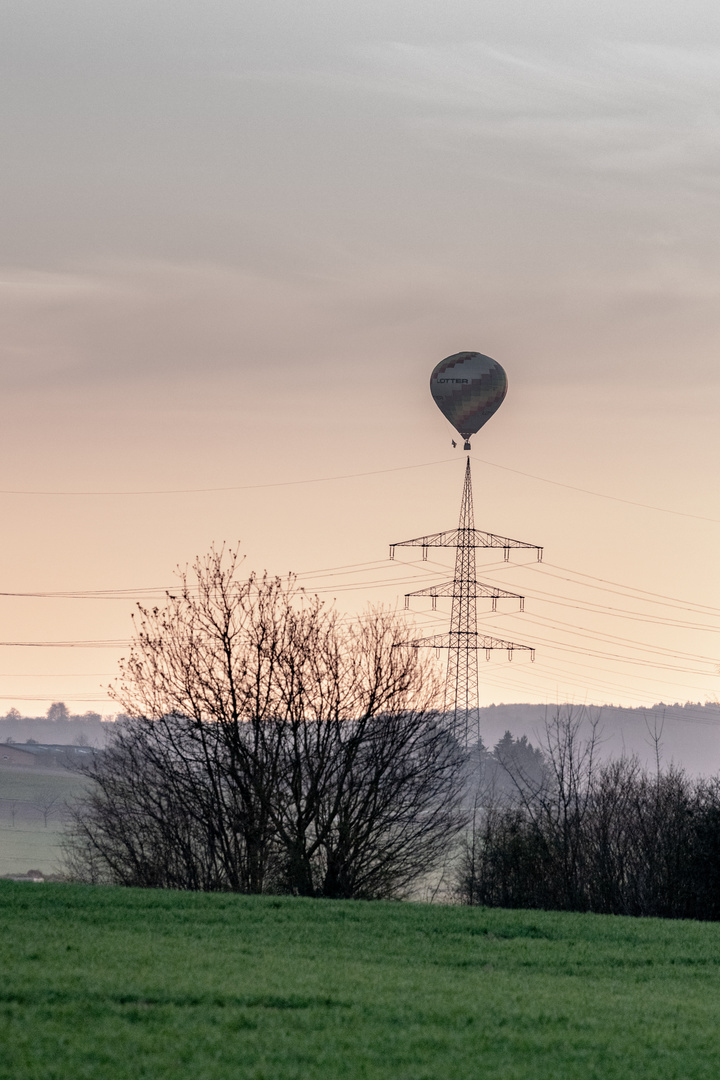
column 122, row 983
column 27, row 785
column 24, row 847
column 26, row 843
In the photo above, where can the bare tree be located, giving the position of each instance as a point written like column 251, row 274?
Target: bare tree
column 270, row 746
column 610, row 837
column 47, row 802
column 529, row 845
column 534, row 837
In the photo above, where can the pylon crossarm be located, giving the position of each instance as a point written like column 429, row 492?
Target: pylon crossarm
column 454, row 640
column 437, row 641
column 474, row 590
column 490, row 643
column 475, row 538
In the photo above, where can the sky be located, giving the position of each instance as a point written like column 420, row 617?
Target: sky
column 236, row 239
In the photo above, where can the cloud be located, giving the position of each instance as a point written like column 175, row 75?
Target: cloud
column 141, row 322
column 611, row 107
column 221, row 336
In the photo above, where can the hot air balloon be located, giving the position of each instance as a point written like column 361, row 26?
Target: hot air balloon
column 468, row 388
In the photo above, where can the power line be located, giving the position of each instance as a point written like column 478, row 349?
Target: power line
column 597, row 494
column 603, row 637
column 621, row 613
column 100, row 594
column 641, row 661
column 234, row 487
column 613, row 639
column 71, row 697
column 118, row 644
column 353, row 476
column 158, row 591
column 600, row 682
column 541, row 663
column 638, row 661
column 589, row 652
column 59, row 675
column 625, row 591
column 686, row 605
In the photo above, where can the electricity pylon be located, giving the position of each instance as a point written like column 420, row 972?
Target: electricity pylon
column 463, row 641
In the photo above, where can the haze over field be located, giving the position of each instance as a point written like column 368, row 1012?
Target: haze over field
column 237, row 240
column 686, row 735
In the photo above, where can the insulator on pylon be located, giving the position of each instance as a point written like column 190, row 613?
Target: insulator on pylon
column 494, row 603
column 392, row 551
column 510, row 652
column 407, row 601
column 434, row 603
column 487, row 654
column 506, row 554
column 522, row 603
column 425, row 552
column 532, row 655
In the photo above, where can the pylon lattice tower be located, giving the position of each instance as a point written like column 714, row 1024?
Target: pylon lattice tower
column 463, row 641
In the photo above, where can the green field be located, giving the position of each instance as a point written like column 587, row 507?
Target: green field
column 123, row 983
column 28, row 799
column 23, row 848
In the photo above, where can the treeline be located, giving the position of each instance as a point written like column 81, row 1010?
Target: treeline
column 58, row 726
column 689, row 730
column 563, row 831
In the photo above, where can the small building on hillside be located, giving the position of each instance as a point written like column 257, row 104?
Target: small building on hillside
column 15, row 755
column 45, row 755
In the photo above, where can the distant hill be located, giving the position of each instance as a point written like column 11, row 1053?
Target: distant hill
column 689, row 734
column 58, row 726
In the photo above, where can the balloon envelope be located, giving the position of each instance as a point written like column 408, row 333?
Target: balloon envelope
column 468, row 388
